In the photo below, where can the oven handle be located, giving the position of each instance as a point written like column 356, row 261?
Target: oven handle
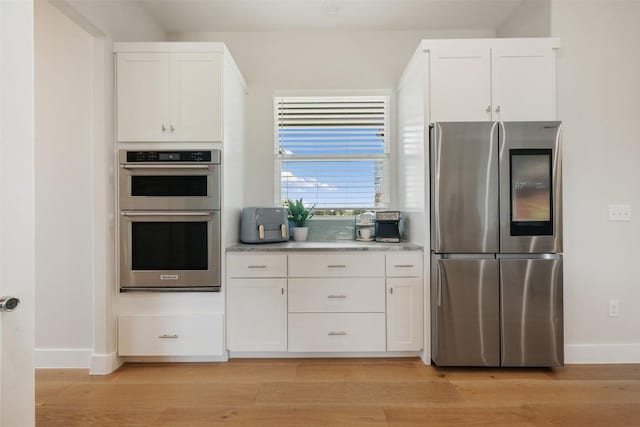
column 165, row 213
column 164, row 166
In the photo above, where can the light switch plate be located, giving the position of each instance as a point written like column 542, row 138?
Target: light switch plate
column 619, row 212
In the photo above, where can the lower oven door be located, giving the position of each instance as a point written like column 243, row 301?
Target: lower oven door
column 170, row 251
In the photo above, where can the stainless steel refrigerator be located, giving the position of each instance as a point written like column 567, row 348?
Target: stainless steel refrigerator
column 496, row 244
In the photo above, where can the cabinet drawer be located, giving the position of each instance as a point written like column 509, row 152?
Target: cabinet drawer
column 257, row 265
column 315, row 332
column 339, row 264
column 404, row 264
column 170, row 335
column 365, row 295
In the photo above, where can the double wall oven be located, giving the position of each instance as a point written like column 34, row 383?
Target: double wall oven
column 169, row 220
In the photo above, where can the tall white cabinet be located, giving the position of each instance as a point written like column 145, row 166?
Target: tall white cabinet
column 182, row 96
column 458, row 80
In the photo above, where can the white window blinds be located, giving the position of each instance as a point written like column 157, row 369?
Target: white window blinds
column 333, row 151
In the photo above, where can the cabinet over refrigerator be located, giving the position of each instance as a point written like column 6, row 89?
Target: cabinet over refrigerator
column 496, row 243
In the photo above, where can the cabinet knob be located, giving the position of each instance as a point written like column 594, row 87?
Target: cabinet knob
column 498, row 109
column 164, row 129
column 171, row 129
column 488, row 110
column 391, row 291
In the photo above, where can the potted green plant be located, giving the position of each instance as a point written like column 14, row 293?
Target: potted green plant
column 300, row 216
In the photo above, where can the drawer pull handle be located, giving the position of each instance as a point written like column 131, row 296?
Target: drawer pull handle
column 404, row 266
column 257, row 266
column 169, row 336
column 337, row 296
column 337, row 266
column 341, row 333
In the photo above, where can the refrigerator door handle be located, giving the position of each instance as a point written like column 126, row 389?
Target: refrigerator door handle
column 436, row 133
column 502, row 137
column 439, row 286
column 528, row 256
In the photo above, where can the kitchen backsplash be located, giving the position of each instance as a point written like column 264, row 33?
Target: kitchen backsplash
column 331, row 229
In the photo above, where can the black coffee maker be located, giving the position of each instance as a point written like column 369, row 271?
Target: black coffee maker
column 388, row 226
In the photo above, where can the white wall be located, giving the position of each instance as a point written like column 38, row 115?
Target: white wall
column 64, row 189
column 122, row 20
column 598, row 101
column 105, row 22
column 531, row 19
column 310, row 61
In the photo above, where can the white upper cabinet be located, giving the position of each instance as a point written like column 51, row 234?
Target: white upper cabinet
column 143, row 104
column 523, row 80
column 169, row 96
column 490, row 79
column 196, row 96
column 460, row 84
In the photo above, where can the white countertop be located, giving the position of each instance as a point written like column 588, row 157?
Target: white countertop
column 340, row 245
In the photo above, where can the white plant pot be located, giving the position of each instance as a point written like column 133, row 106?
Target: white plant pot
column 300, row 233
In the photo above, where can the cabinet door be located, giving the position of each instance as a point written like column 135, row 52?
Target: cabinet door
column 257, row 315
column 460, row 84
column 523, row 81
column 405, row 314
column 143, row 96
column 196, row 96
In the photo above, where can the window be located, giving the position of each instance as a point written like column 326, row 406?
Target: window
column 333, row 151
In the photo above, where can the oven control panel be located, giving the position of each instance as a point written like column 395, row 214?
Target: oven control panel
column 173, row 156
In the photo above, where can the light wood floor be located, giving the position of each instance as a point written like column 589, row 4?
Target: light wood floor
column 310, row 392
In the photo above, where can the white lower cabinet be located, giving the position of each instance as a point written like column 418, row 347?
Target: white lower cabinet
column 350, row 295
column 257, row 314
column 333, row 332
column 405, row 318
column 325, row 302
column 170, row 334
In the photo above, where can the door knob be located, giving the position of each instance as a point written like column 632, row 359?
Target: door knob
column 9, row 303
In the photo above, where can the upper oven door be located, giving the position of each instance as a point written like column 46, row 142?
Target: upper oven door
column 531, row 187
column 170, row 250
column 169, row 186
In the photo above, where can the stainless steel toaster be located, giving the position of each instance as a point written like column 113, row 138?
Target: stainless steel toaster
column 264, row 225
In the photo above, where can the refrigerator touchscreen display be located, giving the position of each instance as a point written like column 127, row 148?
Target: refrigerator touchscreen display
column 531, row 198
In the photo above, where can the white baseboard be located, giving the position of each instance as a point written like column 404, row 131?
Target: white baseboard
column 173, row 359
column 320, row 355
column 104, row 364
column 57, row 358
column 601, row 353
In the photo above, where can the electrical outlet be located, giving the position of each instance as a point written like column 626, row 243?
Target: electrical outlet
column 619, row 212
column 614, row 308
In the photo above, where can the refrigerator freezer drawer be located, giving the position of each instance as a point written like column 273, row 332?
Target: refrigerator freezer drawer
column 465, row 295
column 531, row 312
